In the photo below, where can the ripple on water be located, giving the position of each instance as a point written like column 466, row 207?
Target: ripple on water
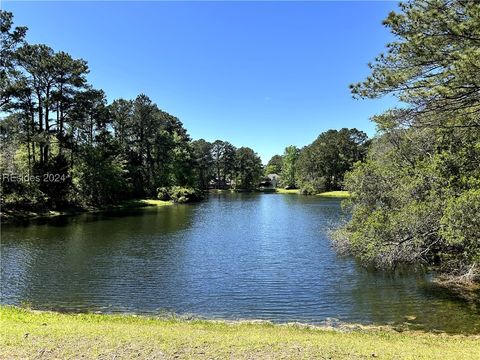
column 235, row 256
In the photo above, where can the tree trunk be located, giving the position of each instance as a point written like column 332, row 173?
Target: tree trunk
column 47, row 126
column 40, row 125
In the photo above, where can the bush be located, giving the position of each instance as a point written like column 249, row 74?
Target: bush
column 314, row 187
column 25, row 197
column 308, row 189
column 460, row 227
column 163, row 193
column 179, row 194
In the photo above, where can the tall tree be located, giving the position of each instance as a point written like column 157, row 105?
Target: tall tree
column 10, row 39
column 289, row 166
column 70, row 78
column 218, row 147
column 49, row 82
column 121, row 111
column 413, row 197
column 228, row 162
column 321, row 165
column 203, row 161
column 274, row 165
column 248, row 168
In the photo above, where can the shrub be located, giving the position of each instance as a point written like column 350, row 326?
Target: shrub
column 313, row 187
column 163, row 193
column 461, row 230
column 179, row 194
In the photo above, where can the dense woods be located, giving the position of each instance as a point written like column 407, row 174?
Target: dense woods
column 64, row 145
column 416, row 199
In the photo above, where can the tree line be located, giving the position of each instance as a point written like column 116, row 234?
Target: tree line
column 72, row 147
column 75, row 148
column 321, row 165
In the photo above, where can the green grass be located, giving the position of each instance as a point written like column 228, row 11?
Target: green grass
column 335, row 194
column 330, row 194
column 289, row 191
column 30, row 334
column 12, row 215
column 153, row 202
column 137, row 203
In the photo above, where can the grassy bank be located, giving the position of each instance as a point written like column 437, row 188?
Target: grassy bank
column 13, row 215
column 335, row 194
column 146, row 202
column 30, row 334
column 289, row 191
column 331, row 194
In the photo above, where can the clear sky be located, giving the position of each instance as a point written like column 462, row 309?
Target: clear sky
column 258, row 74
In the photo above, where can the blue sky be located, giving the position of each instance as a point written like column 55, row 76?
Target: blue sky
column 258, row 74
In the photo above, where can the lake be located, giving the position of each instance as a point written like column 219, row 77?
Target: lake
column 233, row 256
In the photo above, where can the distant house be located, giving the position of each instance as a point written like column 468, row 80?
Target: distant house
column 220, row 184
column 274, row 179
column 270, row 181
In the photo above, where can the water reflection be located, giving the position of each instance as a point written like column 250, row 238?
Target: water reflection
column 233, row 256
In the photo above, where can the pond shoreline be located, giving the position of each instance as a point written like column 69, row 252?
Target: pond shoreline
column 10, row 216
column 16, row 216
column 242, row 256
column 40, row 333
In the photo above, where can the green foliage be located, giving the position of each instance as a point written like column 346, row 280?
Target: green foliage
column 416, row 199
column 10, row 40
column 322, row 164
column 65, row 129
column 224, row 156
column 289, row 167
column 202, row 152
column 163, row 193
column 99, row 178
column 460, row 227
column 179, row 194
column 315, row 186
column 433, row 62
column 274, row 165
column 54, row 180
column 58, row 125
column 23, row 196
column 248, row 168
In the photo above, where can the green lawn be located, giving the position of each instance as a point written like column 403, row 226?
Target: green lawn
column 289, row 191
column 335, row 194
column 154, row 202
column 332, row 194
column 29, row 334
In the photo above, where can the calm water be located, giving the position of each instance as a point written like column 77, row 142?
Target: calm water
column 243, row 256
